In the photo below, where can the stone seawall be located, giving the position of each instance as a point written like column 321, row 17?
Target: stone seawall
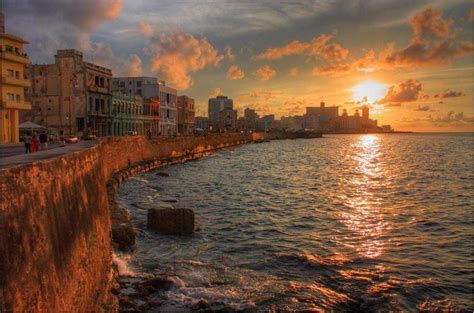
column 55, row 221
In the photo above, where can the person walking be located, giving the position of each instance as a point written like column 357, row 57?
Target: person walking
column 34, row 144
column 43, row 138
column 148, row 133
column 27, row 143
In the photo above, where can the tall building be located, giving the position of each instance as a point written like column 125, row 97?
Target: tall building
column 266, row 122
column 322, row 118
column 217, row 105
column 227, row 119
column 250, row 120
column 186, row 115
column 12, row 84
column 151, row 87
column 71, row 95
column 201, row 123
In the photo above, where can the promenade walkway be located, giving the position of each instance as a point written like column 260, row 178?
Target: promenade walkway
column 20, row 159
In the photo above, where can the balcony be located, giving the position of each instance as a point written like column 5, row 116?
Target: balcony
column 7, row 80
column 14, row 57
column 98, row 89
column 21, row 105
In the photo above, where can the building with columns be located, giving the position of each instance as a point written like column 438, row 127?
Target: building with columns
column 12, row 84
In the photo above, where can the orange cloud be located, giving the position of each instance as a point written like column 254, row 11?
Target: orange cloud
column 135, row 66
column 318, row 46
column 235, row 73
column 332, row 69
column 406, row 91
column 433, row 44
column 216, row 92
column 229, row 54
column 174, row 56
column 265, row 94
column 294, row 72
column 145, row 28
column 449, row 94
column 90, row 13
column 265, row 72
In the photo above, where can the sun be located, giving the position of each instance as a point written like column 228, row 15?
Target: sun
column 369, row 91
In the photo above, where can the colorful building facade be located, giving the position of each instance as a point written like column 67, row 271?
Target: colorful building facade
column 12, row 84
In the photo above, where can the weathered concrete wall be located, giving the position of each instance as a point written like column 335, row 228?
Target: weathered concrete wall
column 55, row 242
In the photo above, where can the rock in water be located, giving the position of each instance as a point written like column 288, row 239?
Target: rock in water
column 171, row 221
column 162, row 174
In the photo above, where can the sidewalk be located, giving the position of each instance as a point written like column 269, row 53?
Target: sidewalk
column 20, row 159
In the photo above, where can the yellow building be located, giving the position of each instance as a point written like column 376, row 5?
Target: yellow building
column 12, row 84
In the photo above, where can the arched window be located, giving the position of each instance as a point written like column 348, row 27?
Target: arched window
column 97, row 80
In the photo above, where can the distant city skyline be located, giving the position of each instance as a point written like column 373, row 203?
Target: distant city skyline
column 411, row 61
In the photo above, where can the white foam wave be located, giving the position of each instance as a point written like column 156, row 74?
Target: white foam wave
column 121, row 261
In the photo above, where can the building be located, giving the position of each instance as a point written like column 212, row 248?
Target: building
column 71, row 95
column 215, row 107
column 186, row 115
column 292, row 123
column 202, row 123
column 151, row 115
column 356, row 123
column 151, row 87
column 321, row 118
column 227, row 120
column 12, row 84
column 266, row 123
column 129, row 115
column 250, row 120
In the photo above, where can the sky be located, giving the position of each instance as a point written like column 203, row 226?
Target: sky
column 411, row 61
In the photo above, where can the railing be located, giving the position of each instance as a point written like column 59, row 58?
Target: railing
column 99, row 89
column 19, row 105
column 15, row 57
column 15, row 81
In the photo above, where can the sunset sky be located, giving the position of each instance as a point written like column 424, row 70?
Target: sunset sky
column 411, row 60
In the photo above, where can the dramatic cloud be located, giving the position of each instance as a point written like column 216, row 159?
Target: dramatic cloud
column 433, row 44
column 235, row 73
column 449, row 94
column 266, row 72
column 175, row 55
column 406, row 91
column 294, row 72
column 318, row 46
column 423, row 108
column 145, row 28
column 332, row 69
column 135, row 66
column 229, row 54
column 453, row 118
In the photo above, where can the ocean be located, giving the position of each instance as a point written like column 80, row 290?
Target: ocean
column 370, row 222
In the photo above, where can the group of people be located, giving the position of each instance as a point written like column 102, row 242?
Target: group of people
column 34, row 144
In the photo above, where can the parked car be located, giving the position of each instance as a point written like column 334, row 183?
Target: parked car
column 71, row 139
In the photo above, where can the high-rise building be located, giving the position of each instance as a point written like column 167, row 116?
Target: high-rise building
column 12, row 84
column 71, row 95
column 186, row 114
column 250, row 120
column 201, row 123
column 151, row 87
column 321, row 118
column 217, row 105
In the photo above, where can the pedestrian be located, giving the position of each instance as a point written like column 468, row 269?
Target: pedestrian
column 148, row 133
column 34, row 144
column 27, row 143
column 62, row 139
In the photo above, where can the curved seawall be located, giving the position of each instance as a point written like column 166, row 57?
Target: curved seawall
column 55, row 225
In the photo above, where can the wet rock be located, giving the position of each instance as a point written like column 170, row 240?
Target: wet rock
column 162, row 174
column 169, row 200
column 126, row 303
column 200, row 305
column 156, row 284
column 123, row 235
column 171, row 221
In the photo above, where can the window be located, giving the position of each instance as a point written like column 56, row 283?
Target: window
column 139, row 83
column 139, row 92
column 102, row 105
column 10, row 97
column 17, row 75
column 9, row 48
column 10, row 73
column 102, row 82
column 122, row 84
column 97, row 80
column 18, row 98
column 97, row 104
column 91, row 104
